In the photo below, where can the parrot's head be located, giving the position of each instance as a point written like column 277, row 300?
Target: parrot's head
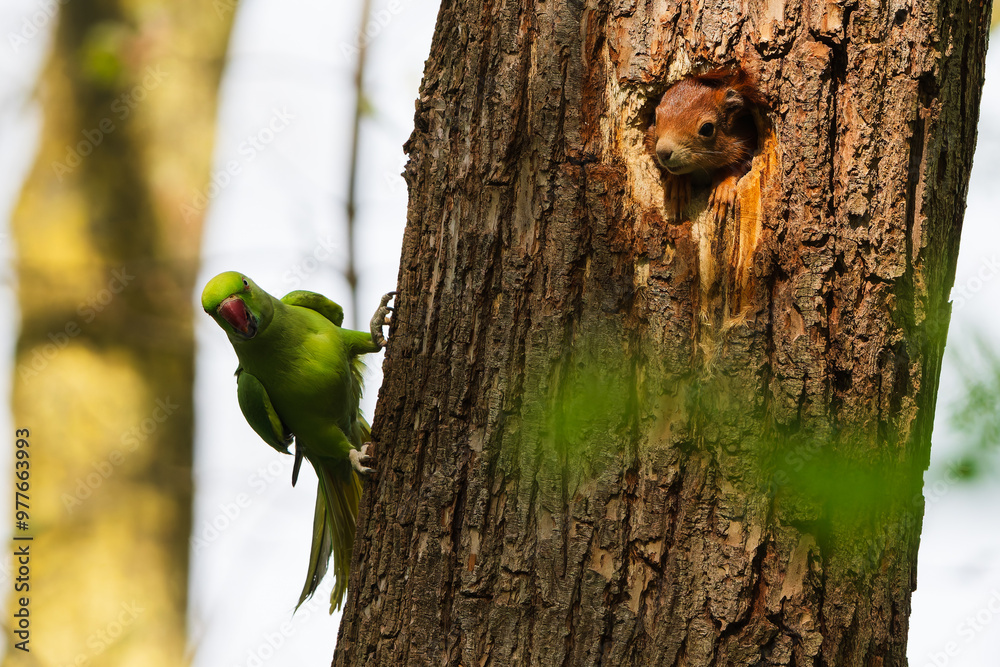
column 240, row 307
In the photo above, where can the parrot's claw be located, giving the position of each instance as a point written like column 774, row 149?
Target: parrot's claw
column 359, row 458
column 381, row 318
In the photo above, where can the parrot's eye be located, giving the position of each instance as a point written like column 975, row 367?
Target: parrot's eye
column 246, row 285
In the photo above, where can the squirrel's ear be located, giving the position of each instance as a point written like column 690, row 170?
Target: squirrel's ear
column 734, row 101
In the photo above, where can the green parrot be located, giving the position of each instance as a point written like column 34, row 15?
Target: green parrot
column 299, row 377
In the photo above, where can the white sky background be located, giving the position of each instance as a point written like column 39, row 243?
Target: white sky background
column 281, row 220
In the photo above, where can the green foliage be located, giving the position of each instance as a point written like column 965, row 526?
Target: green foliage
column 599, row 412
column 976, row 415
column 587, row 416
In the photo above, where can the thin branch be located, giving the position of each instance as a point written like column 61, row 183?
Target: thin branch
column 350, row 273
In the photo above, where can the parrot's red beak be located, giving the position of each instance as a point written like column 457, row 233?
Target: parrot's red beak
column 234, row 311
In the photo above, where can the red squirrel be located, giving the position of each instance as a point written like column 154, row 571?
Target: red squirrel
column 705, row 127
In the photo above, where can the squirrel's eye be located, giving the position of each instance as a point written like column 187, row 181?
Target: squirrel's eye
column 707, row 129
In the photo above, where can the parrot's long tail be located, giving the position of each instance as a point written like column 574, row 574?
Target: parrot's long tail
column 334, row 523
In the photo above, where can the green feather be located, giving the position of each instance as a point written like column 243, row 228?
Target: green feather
column 317, row 302
column 300, row 375
column 259, row 412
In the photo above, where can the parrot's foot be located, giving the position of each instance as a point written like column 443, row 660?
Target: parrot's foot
column 381, row 318
column 358, row 460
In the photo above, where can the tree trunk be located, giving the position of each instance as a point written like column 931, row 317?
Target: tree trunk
column 107, row 256
column 603, row 439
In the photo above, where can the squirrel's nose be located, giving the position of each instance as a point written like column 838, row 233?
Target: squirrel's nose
column 664, row 151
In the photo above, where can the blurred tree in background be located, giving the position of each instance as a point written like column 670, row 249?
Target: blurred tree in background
column 107, row 231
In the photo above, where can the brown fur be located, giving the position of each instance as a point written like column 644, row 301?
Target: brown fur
column 725, row 98
column 680, row 144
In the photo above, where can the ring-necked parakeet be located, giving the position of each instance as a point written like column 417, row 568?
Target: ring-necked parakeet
column 299, row 377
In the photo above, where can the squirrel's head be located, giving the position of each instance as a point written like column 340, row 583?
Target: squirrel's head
column 702, row 124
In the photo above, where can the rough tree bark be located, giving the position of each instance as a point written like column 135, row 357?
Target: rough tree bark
column 596, row 444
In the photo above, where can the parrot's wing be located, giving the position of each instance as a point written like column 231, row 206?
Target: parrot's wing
column 259, row 412
column 317, row 302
